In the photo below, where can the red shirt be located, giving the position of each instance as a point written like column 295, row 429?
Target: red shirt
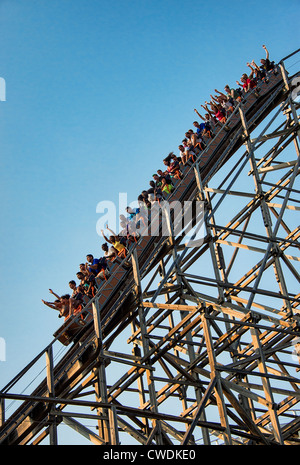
column 249, row 81
column 219, row 115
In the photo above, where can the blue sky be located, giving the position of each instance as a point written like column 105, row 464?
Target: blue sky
column 97, row 94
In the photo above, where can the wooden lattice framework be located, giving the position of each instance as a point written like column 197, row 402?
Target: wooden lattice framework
column 198, row 344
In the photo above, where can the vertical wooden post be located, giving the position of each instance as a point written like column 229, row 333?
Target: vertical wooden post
column 266, row 385
column 2, row 411
column 146, row 349
column 216, row 375
column 51, row 393
column 100, row 383
column 113, row 423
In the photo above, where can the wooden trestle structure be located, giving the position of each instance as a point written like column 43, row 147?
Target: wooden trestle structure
column 196, row 342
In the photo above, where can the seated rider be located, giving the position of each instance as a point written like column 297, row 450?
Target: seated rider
column 266, row 64
column 202, row 129
column 233, row 95
column 166, row 188
column 87, row 283
column 188, row 151
column 173, row 168
column 132, row 212
column 210, row 120
column 217, row 111
column 157, row 192
column 110, row 253
column 247, row 83
column 76, row 299
column 92, row 264
column 166, row 175
column 62, row 304
column 56, row 305
column 103, row 270
column 115, row 240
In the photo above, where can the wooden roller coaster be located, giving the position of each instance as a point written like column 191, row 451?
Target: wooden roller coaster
column 212, row 326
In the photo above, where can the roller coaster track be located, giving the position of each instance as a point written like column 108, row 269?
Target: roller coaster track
column 222, row 367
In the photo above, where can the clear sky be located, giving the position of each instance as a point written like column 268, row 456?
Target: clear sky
column 98, row 92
